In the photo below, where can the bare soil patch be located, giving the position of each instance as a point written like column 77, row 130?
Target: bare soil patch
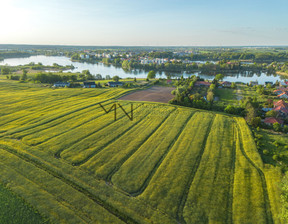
column 155, row 94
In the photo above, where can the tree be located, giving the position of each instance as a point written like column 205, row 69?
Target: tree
column 271, row 113
column 230, row 109
column 276, row 126
column 250, row 113
column 233, row 85
column 116, row 78
column 135, row 80
column 268, row 86
column 108, row 77
column 255, row 122
column 212, row 87
column 219, row 77
column 73, row 78
column 24, row 75
column 210, row 96
column 5, row 70
column 151, row 75
column 98, row 76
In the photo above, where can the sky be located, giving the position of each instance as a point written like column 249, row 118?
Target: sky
column 144, row 23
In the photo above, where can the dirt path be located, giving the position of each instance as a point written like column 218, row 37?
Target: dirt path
column 239, row 94
column 154, row 94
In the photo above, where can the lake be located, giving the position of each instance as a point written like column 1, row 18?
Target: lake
column 104, row 70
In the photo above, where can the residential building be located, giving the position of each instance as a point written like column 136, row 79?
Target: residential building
column 283, row 95
column 115, row 84
column 272, row 120
column 226, row 84
column 202, row 83
column 89, row 85
column 282, row 107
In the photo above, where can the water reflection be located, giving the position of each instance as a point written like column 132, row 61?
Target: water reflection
column 103, row 69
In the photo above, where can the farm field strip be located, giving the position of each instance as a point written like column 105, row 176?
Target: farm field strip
column 51, row 119
column 273, row 178
column 70, row 123
column 208, row 199
column 46, row 102
column 84, row 150
column 31, row 117
column 51, row 107
column 97, row 191
column 249, row 188
column 135, row 174
column 111, row 158
column 170, row 180
column 71, row 137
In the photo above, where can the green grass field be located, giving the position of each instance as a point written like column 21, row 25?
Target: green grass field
column 74, row 164
column 15, row 210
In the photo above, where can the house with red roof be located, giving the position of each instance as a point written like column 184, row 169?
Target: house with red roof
column 278, row 91
column 202, row 83
column 283, row 95
column 272, row 120
column 282, row 107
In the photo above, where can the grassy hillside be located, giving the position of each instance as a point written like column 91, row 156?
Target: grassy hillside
column 70, row 160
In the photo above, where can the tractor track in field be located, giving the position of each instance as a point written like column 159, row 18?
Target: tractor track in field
column 229, row 206
column 57, row 154
column 157, row 165
column 114, row 211
column 109, row 176
column 179, row 214
column 269, row 218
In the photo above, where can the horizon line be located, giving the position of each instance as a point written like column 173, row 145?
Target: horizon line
column 186, row 46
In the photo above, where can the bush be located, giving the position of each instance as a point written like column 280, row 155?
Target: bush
column 276, row 126
column 265, row 152
column 275, row 157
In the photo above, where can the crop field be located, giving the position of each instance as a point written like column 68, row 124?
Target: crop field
column 73, row 163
